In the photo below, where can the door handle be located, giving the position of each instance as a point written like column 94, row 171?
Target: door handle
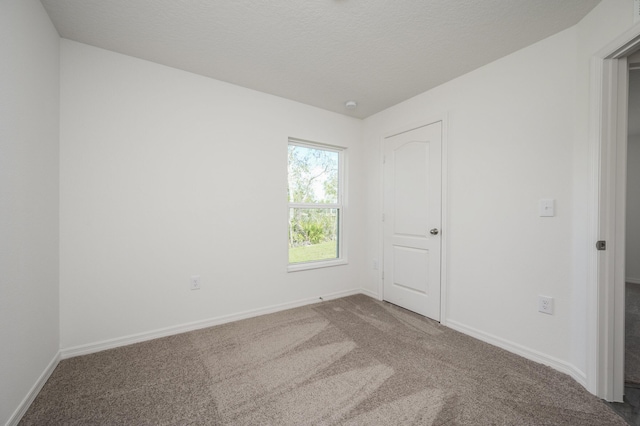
column 434, row 231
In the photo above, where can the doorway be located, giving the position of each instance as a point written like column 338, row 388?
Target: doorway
column 606, row 310
column 412, row 219
column 632, row 233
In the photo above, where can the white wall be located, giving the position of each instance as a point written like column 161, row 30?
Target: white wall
column 633, row 211
column 166, row 174
column 509, row 145
column 518, row 131
column 29, row 109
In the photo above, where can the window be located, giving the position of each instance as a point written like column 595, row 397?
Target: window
column 315, row 205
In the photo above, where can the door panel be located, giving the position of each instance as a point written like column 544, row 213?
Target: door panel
column 411, row 183
column 412, row 207
column 411, row 268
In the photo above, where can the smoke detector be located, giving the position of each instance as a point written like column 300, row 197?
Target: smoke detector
column 351, row 104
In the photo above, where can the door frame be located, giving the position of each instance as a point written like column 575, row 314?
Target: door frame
column 444, row 240
column 606, row 269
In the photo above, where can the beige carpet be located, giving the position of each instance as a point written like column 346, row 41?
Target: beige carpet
column 351, row 361
column 632, row 334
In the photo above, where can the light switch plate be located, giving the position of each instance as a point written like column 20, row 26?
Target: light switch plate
column 547, row 207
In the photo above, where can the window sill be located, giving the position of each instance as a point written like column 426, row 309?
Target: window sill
column 295, row 267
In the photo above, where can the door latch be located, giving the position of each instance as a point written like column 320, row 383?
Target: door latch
column 601, row 245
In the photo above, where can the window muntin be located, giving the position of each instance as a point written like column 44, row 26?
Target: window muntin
column 315, row 193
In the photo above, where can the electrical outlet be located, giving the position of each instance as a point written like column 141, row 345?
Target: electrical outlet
column 195, row 282
column 545, row 305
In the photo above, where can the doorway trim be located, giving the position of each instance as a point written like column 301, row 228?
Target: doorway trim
column 443, row 118
column 606, row 274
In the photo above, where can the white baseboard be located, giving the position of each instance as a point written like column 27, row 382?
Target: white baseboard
column 632, row 280
column 533, row 355
column 196, row 325
column 33, row 392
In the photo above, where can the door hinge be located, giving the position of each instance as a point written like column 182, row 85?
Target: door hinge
column 601, row 245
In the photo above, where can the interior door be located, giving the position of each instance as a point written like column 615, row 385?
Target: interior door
column 412, row 219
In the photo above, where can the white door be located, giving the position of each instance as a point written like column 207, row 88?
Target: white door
column 412, row 219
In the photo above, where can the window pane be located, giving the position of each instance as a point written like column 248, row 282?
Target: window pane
column 313, row 234
column 313, row 175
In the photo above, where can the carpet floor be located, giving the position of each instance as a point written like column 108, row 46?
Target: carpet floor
column 350, row 361
column 632, row 334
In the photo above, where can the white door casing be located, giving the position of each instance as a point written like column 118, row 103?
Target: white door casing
column 412, row 173
column 605, row 311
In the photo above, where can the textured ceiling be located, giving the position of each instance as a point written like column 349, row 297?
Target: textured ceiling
column 319, row 52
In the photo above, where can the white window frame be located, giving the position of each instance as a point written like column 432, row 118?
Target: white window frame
column 340, row 206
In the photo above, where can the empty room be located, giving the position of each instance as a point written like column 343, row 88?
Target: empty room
column 211, row 212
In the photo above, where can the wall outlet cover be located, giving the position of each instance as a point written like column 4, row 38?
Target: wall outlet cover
column 195, row 282
column 545, row 305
